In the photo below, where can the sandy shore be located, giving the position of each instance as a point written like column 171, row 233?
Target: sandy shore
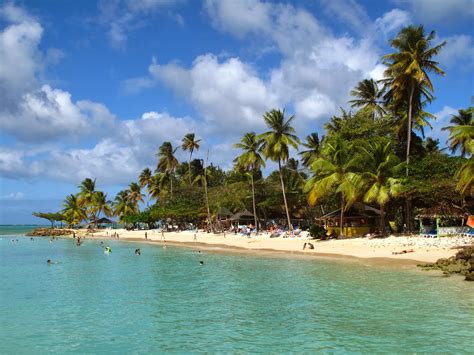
column 424, row 249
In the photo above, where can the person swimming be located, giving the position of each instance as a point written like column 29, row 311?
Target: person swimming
column 201, row 262
column 138, row 252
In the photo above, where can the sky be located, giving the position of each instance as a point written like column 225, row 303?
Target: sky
column 92, row 88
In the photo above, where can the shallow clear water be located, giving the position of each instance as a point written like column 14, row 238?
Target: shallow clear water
column 164, row 300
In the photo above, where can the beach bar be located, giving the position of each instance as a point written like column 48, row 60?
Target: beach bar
column 358, row 220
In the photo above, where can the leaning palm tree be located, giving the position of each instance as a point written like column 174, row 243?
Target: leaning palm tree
column 167, row 162
column 251, row 161
column 378, row 177
column 135, row 195
column 276, row 143
column 368, row 95
column 313, row 145
column 190, row 143
column 145, row 180
column 407, row 73
column 333, row 173
column 465, row 177
column 462, row 131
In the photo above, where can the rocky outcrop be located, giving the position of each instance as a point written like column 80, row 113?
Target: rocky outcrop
column 48, row 232
column 462, row 263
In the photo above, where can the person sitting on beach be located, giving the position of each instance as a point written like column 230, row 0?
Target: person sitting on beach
column 403, row 252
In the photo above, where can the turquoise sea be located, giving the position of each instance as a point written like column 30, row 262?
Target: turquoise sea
column 165, row 301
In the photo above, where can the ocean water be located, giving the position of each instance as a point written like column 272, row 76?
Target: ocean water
column 165, row 301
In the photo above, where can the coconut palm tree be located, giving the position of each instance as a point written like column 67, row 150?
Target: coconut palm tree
column 73, row 211
column 407, row 73
column 314, row 145
column 100, row 204
column 368, row 95
column 202, row 176
column 190, row 143
column 145, row 180
column 251, row 161
column 167, row 162
column 122, row 204
column 135, row 195
column 462, row 131
column 155, row 186
column 377, row 179
column 333, row 172
column 276, row 143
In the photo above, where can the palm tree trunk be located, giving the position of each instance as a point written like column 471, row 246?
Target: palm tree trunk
column 189, row 167
column 290, row 227
column 207, row 201
column 409, row 128
column 382, row 219
column 171, row 183
column 341, row 218
column 253, row 201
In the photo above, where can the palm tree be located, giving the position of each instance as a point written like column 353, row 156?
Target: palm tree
column 86, row 195
column 276, row 144
column 313, row 144
column 379, row 168
column 368, row 95
column 190, row 143
column 73, row 210
column 462, row 131
column 465, row 177
column 145, row 180
column 155, row 186
column 100, row 204
column 407, row 73
column 134, row 195
column 122, row 204
column 333, row 172
column 167, row 162
column 202, row 176
column 251, row 161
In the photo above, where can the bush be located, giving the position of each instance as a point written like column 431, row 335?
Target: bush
column 316, row 231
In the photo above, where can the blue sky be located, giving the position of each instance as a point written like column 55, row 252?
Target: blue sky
column 92, row 88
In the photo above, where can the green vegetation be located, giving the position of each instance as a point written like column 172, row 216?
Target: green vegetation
column 376, row 154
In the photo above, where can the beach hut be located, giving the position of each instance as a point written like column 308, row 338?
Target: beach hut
column 358, row 220
column 223, row 214
column 443, row 219
column 243, row 218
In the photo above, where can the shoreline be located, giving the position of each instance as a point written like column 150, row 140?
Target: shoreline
column 373, row 251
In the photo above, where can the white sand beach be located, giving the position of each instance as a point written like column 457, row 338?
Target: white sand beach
column 420, row 249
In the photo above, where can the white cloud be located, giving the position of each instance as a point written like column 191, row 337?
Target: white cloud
column 459, row 50
column 392, row 21
column 228, row 94
column 349, row 12
column 440, row 10
column 239, row 17
column 122, row 16
column 29, row 111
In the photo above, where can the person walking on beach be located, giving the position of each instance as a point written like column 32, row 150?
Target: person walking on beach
column 146, row 235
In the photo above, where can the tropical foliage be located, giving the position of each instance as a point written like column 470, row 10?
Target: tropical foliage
column 375, row 153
